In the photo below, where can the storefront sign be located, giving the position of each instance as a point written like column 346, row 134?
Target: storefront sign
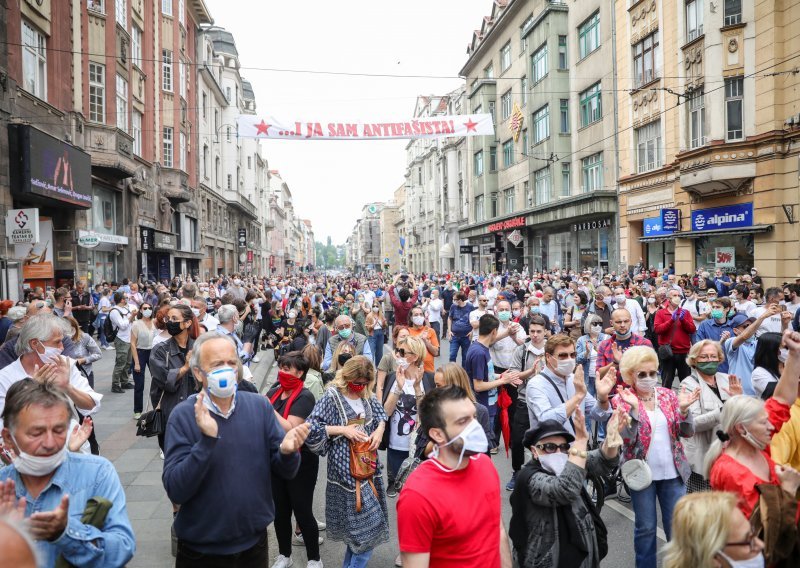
column 147, row 238
column 37, row 258
column 101, row 238
column 88, row 241
column 652, row 227
column 165, row 241
column 242, row 237
column 515, row 238
column 728, row 217
column 422, row 127
column 22, row 226
column 48, row 167
column 468, row 249
column 725, row 257
column 671, row 219
column 249, row 256
column 507, row 224
column 590, row 225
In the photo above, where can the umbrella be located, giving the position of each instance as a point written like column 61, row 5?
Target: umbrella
column 503, row 402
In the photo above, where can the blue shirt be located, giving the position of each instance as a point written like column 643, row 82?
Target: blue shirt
column 477, row 368
column 740, row 362
column 459, row 317
column 82, row 477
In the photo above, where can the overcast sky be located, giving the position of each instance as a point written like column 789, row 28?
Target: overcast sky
column 332, row 180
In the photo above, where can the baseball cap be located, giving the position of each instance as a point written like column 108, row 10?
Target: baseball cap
column 545, row 430
column 741, row 319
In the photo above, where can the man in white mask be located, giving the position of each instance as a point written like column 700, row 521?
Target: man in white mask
column 44, row 477
column 199, row 309
column 210, row 435
column 454, row 493
column 638, row 323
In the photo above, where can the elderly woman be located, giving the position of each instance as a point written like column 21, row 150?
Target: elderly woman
column 16, row 315
column 403, row 389
column 348, row 414
column 710, row 530
column 715, row 388
column 586, row 349
column 739, row 459
column 659, row 420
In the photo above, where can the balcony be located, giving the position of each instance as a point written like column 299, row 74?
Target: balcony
column 240, row 202
column 717, row 171
column 174, row 185
column 111, row 150
column 268, row 224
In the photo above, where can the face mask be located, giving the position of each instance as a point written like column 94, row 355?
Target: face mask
column 288, row 381
column 717, row 314
column 356, row 389
column 196, row 312
column 174, row 328
column 651, row 300
column 402, row 363
column 237, row 282
column 750, row 439
column 708, row 367
column 620, row 298
column 675, row 300
column 647, row 384
column 621, row 336
column 344, row 358
column 50, row 354
column 596, row 329
column 517, row 313
column 565, row 367
column 418, row 320
column 474, row 442
column 147, row 313
column 756, row 562
column 292, row 314
column 37, row 466
column 783, row 355
column 534, row 309
column 504, row 315
column 554, row 463
column 345, row 333
column 222, row 382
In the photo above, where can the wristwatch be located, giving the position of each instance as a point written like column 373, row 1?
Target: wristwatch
column 580, row 453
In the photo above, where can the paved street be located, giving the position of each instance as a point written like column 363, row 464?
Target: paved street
column 139, row 467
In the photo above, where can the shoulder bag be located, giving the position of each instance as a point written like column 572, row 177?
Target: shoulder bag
column 363, row 461
column 665, row 351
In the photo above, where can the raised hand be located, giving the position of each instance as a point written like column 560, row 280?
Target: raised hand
column 45, row 373
column 789, row 478
column 511, row 377
column 686, row 398
column 49, row 525
column 10, row 506
column 791, row 339
column 208, row 426
column 295, row 438
column 61, row 374
column 629, row 397
column 616, row 352
column 605, row 385
column 579, row 420
column 734, row 386
column 724, row 336
column 578, row 382
column 80, row 434
column 400, row 377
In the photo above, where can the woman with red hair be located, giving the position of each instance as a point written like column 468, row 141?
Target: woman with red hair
column 5, row 322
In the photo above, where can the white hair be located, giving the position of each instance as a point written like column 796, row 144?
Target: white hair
column 226, row 313
column 41, row 327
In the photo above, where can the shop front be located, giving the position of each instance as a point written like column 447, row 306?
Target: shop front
column 156, row 247
column 659, row 243
column 102, row 252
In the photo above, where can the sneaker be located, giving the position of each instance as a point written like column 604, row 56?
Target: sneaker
column 297, row 540
column 137, row 415
column 399, row 560
column 282, row 562
column 321, row 526
column 128, row 386
column 493, row 451
column 314, row 564
column 511, row 482
column 161, row 454
column 392, row 491
column 108, row 347
column 256, row 359
column 117, row 390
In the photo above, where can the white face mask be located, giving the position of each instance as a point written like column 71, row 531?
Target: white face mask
column 292, row 314
column 222, row 382
column 596, row 329
column 651, row 300
column 756, row 562
column 147, row 313
column 402, row 363
column 37, row 466
column 376, row 309
column 196, row 312
column 516, row 313
column 50, row 354
column 750, row 439
column 647, row 384
column 565, row 367
column 474, row 439
column 554, row 463
column 783, row 355
column 237, row 282
column 418, row 320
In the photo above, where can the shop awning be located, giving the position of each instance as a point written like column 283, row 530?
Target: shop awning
column 718, row 232
column 447, row 251
column 657, row 239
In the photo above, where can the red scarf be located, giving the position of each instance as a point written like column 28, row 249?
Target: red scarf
column 288, row 383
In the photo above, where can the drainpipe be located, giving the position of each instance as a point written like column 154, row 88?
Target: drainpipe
column 616, row 131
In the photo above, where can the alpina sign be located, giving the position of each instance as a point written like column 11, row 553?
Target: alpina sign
column 728, row 217
column 507, row 224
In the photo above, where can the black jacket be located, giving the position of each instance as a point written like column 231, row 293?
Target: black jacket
column 166, row 359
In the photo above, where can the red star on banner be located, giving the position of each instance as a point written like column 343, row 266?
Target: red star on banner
column 471, row 125
column 262, row 128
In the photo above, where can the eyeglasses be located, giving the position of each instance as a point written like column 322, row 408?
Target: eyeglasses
column 167, row 320
column 565, row 356
column 646, row 375
column 708, row 357
column 346, row 326
column 550, row 447
column 750, row 540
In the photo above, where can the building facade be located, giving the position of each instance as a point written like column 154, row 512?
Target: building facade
column 709, row 176
column 391, row 223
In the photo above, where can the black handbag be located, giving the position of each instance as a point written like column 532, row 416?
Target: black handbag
column 151, row 423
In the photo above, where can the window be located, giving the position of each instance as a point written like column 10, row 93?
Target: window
column 508, row 153
column 541, row 183
column 136, row 131
column 733, row 12
column 505, row 104
column 205, row 104
column 34, row 61
column 488, row 71
column 182, row 78
column 648, row 146
column 477, row 163
column 167, row 147
column 205, row 161
column 493, row 204
column 509, row 199
column 122, row 103
column 694, row 19
column 216, row 171
column 480, row 210
column 564, row 115
column 524, row 141
column 229, row 183
column 505, row 57
column 589, row 35
column 182, row 151
column 523, row 83
column 491, row 110
column 97, row 92
column 591, row 105
column 565, row 169
column 526, row 188
column 249, row 162
column 120, row 13
column 646, row 60
column 96, row 6
column 492, row 158
column 539, row 64
column 136, row 45
column 734, row 109
column 181, row 11
column 592, row 167
column 523, row 43
column 166, row 7
column 562, row 52
column 697, row 118
column 228, row 94
column 541, row 124
column 166, row 70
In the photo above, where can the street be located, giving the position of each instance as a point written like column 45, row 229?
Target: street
column 139, row 467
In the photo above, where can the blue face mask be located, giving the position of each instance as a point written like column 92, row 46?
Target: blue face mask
column 345, row 333
column 535, row 309
column 504, row 315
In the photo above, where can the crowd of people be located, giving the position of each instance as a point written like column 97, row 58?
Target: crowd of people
column 679, row 391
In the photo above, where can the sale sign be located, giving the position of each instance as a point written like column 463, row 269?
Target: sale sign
column 270, row 127
column 725, row 257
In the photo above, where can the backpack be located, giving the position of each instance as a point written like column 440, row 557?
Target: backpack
column 108, row 327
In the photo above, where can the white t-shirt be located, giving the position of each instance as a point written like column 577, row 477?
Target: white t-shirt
column 503, row 351
column 403, row 419
column 697, row 307
column 761, row 378
column 475, row 315
column 491, row 295
column 659, row 455
column 434, row 310
column 357, row 405
column 592, row 360
column 747, row 307
column 791, row 307
column 103, row 303
column 772, row 323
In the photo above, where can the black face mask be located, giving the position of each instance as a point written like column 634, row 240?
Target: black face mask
column 344, row 358
column 174, row 328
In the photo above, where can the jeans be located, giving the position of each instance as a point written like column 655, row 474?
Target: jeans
column 394, row 459
column 122, row 363
column 138, row 379
column 353, row 560
column 255, row 557
column 668, row 491
column 297, row 495
column 437, row 327
column 101, row 334
column 376, row 345
column 463, row 343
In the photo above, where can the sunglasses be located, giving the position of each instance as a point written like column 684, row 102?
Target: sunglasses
column 565, row 356
column 646, row 375
column 550, row 447
column 400, row 351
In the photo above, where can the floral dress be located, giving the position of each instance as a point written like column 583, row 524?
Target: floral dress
column 361, row 531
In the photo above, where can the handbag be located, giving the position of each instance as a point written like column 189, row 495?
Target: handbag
column 637, row 474
column 363, row 461
column 665, row 351
column 151, row 422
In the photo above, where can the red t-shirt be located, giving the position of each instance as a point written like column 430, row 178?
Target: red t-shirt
column 454, row 516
